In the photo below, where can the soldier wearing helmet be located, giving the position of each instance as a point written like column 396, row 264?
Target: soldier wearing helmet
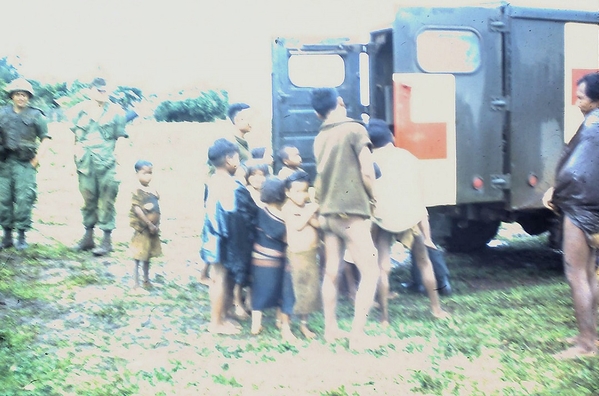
column 23, row 137
column 97, row 126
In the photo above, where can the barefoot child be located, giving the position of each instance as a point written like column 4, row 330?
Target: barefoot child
column 302, row 247
column 144, row 218
column 398, row 214
column 227, row 234
column 271, row 280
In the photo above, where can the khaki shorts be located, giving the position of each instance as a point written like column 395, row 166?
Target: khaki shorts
column 407, row 237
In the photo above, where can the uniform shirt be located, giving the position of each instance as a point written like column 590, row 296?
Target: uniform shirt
column 20, row 130
column 95, row 139
column 339, row 186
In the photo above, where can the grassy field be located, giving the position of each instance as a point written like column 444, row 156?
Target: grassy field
column 70, row 325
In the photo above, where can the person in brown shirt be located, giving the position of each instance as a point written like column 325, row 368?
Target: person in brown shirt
column 345, row 176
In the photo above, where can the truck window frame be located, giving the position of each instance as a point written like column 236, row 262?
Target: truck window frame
column 303, row 79
column 437, row 55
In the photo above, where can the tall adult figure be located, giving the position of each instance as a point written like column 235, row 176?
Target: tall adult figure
column 576, row 198
column 344, row 191
column 97, row 126
column 23, row 139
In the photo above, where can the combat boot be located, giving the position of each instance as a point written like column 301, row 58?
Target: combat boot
column 7, row 239
column 105, row 247
column 86, row 242
column 21, row 242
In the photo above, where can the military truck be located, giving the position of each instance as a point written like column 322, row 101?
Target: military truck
column 483, row 96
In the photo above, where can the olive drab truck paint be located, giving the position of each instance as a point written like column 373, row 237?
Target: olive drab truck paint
column 484, row 97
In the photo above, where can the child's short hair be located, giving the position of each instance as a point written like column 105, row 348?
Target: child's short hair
column 236, row 108
column 299, row 175
column 258, row 152
column 379, row 133
column 252, row 168
column 220, row 150
column 141, row 163
column 324, row 100
column 273, row 190
column 283, row 154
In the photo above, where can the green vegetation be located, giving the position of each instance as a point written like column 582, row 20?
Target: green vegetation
column 209, row 106
column 54, row 98
column 70, row 326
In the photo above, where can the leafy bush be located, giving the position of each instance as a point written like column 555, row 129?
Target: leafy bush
column 207, row 107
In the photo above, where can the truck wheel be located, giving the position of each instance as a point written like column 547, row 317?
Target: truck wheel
column 472, row 235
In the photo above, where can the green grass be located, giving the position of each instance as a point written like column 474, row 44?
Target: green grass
column 510, row 312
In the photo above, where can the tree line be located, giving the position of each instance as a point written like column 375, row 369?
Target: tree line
column 53, row 99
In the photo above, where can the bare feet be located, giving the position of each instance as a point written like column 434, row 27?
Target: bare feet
column 288, row 336
column 384, row 323
column 306, row 332
column 392, row 295
column 335, row 334
column 226, row 328
column 575, row 352
column 255, row 330
column 440, row 314
column 204, row 280
column 240, row 313
column 574, row 341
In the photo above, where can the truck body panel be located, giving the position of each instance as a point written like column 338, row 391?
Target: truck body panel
column 485, row 97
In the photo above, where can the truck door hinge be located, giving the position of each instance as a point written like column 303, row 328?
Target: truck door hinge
column 500, row 103
column 501, row 182
column 499, row 25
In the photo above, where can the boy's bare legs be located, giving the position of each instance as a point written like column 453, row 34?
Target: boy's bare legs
column 579, row 265
column 350, row 281
column 309, row 334
column 218, row 301
column 286, row 333
column 358, row 241
column 256, row 322
column 383, row 241
column 204, row 278
column 428, row 276
column 146, row 270
column 239, row 309
column 333, row 248
column 136, row 274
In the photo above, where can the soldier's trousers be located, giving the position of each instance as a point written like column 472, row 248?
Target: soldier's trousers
column 18, row 192
column 99, row 190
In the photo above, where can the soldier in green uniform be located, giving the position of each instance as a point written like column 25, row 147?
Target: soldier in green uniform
column 22, row 130
column 97, row 126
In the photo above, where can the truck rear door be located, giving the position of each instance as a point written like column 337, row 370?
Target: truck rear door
column 449, row 101
column 549, row 51
column 297, row 68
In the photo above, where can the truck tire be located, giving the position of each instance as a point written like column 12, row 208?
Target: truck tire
column 471, row 236
column 536, row 223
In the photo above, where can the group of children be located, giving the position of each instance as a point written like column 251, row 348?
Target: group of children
column 260, row 239
column 260, row 236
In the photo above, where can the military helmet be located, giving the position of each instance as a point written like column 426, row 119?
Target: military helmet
column 20, row 84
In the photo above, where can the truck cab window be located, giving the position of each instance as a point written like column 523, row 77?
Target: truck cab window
column 448, row 51
column 316, row 70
